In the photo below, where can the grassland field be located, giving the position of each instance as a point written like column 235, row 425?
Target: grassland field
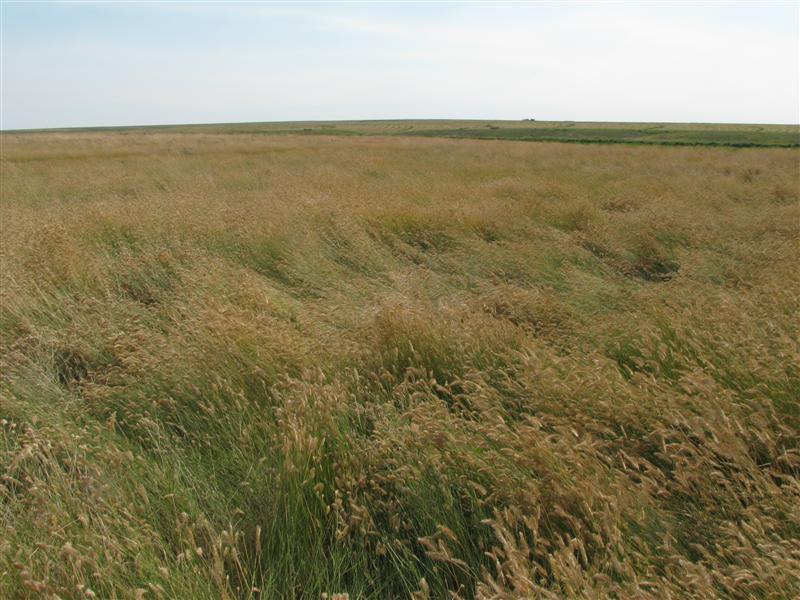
column 668, row 134
column 396, row 365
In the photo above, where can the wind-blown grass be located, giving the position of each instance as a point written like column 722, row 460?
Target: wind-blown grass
column 241, row 366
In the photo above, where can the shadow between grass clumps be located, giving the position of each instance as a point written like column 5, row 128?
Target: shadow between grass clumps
column 269, row 256
column 647, row 260
column 143, row 269
column 262, row 255
column 350, row 247
column 414, row 236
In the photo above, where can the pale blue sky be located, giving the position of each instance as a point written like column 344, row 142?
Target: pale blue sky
column 82, row 64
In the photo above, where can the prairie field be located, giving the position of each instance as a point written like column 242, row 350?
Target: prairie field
column 236, row 365
column 585, row 132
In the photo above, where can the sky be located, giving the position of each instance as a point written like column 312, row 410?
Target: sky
column 135, row 63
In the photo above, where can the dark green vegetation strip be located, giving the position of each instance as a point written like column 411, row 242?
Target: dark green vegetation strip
column 624, row 136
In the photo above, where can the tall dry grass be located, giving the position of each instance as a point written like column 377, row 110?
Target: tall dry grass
column 237, row 366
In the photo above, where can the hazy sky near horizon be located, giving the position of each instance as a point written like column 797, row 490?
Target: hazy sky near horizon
column 134, row 63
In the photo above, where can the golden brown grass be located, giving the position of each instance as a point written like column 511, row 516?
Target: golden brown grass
column 244, row 366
